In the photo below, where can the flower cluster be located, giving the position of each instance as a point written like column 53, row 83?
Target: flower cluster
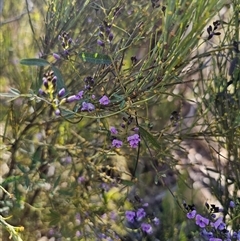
column 105, row 34
column 58, row 97
column 65, row 40
column 212, row 228
column 140, row 219
column 133, row 140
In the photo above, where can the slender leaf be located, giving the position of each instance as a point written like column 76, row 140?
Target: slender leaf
column 36, row 62
column 149, row 137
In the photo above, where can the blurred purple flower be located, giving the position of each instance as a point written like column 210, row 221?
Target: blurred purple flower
column 191, row 214
column 56, row 56
column 215, row 239
column 206, row 234
column 140, row 214
column 113, row 130
column 232, row 204
column 201, row 221
column 71, row 98
column 87, row 106
column 79, row 95
column 104, row 100
column 57, row 112
column 156, row 221
column 66, row 160
column 100, row 43
column 218, row 224
column 130, row 215
column 134, row 140
column 147, row 228
column 78, row 234
column 61, row 92
column 117, row 143
column 41, row 92
column 81, row 179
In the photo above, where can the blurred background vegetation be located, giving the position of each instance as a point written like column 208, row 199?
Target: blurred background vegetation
column 166, row 72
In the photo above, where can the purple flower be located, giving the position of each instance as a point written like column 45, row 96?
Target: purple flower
column 56, row 56
column 191, row 214
column 61, row 92
column 87, row 106
column 66, row 160
column 81, row 179
column 147, row 228
column 78, row 234
column 219, row 224
column 104, row 100
column 71, row 98
column 113, row 130
column 130, row 215
column 206, row 234
column 117, row 143
column 232, row 204
column 156, row 221
column 140, row 214
column 41, row 92
column 100, row 43
column 57, row 112
column 201, row 221
column 134, row 140
column 79, row 95
column 215, row 239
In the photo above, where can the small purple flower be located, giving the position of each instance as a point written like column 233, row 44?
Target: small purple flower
column 215, row 239
column 81, row 179
column 78, row 234
column 104, row 100
column 100, row 43
column 79, row 95
column 156, row 221
column 113, row 130
column 232, row 204
column 61, row 92
column 56, row 56
column 130, row 216
column 147, row 228
column 117, row 143
column 201, row 221
column 41, row 92
column 219, row 224
column 134, row 140
column 87, row 106
column 57, row 112
column 192, row 214
column 110, row 36
column 140, row 214
column 71, row 98
column 93, row 97
column 206, row 234
column 66, row 160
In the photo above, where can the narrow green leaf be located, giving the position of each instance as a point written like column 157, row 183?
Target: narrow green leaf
column 10, row 179
column 22, row 168
column 95, row 58
column 37, row 62
column 149, row 137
